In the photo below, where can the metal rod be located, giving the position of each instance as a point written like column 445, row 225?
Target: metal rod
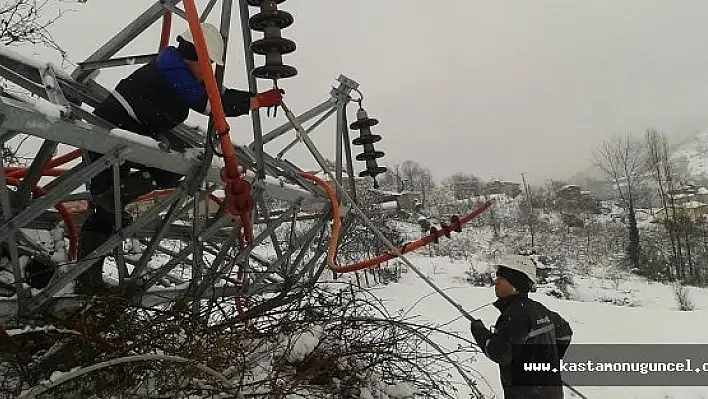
column 308, row 131
column 300, row 256
column 22, row 294
column 125, row 36
column 341, row 104
column 176, row 10
column 116, row 62
column 305, row 238
column 257, row 145
column 64, row 176
column 154, row 244
column 37, row 206
column 34, row 174
column 348, row 153
column 286, row 127
column 243, row 255
column 44, row 297
column 207, row 10
column 195, row 289
column 176, row 209
column 52, row 87
column 145, row 281
column 266, row 218
column 118, row 220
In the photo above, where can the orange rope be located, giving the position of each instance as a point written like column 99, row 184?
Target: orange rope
column 220, row 124
column 365, row 264
column 68, row 220
column 18, row 174
column 14, row 173
column 166, row 27
column 238, row 191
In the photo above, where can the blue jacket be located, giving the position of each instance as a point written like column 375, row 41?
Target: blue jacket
column 160, row 95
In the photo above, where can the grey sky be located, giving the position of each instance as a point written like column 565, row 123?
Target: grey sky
column 490, row 88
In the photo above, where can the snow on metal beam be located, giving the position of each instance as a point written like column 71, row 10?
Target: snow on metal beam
column 19, row 117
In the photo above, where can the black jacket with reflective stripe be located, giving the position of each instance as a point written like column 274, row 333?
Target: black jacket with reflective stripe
column 526, row 333
column 158, row 106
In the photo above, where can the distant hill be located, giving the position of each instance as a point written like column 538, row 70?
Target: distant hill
column 689, row 155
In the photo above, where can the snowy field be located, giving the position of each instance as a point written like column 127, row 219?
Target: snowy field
column 653, row 318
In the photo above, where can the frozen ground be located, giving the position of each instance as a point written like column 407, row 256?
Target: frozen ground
column 654, row 318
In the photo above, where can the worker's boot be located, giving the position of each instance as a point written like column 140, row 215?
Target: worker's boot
column 94, row 232
column 132, row 186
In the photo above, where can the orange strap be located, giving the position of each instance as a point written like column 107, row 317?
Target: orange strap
column 456, row 225
column 238, row 191
column 166, row 28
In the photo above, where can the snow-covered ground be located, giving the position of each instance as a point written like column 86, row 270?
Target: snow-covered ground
column 653, row 319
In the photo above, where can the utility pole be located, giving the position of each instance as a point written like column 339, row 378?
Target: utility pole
column 530, row 217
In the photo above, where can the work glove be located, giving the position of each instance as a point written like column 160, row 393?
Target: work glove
column 479, row 332
column 270, row 99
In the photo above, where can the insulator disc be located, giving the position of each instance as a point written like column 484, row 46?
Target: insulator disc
column 367, row 139
column 273, row 44
column 277, row 18
column 362, row 123
column 373, row 172
column 274, row 72
column 257, row 3
column 365, row 156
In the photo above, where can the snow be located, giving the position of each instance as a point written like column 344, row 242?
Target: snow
column 193, row 153
column 30, row 329
column 388, row 206
column 400, row 390
column 365, row 393
column 56, row 376
column 49, row 110
column 136, row 138
column 304, row 344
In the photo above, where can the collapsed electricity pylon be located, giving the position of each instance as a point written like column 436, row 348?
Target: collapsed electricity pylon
column 57, row 115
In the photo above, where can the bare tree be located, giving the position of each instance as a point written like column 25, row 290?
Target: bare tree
column 409, row 175
column 530, row 216
column 664, row 175
column 464, row 185
column 623, row 160
column 392, row 179
column 25, row 21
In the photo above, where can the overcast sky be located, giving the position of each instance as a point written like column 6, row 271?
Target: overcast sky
column 493, row 88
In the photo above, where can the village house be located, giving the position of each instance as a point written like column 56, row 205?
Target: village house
column 407, row 200
column 572, row 198
column 508, row 188
column 693, row 211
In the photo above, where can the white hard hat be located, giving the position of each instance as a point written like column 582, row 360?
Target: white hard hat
column 213, row 39
column 520, row 263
